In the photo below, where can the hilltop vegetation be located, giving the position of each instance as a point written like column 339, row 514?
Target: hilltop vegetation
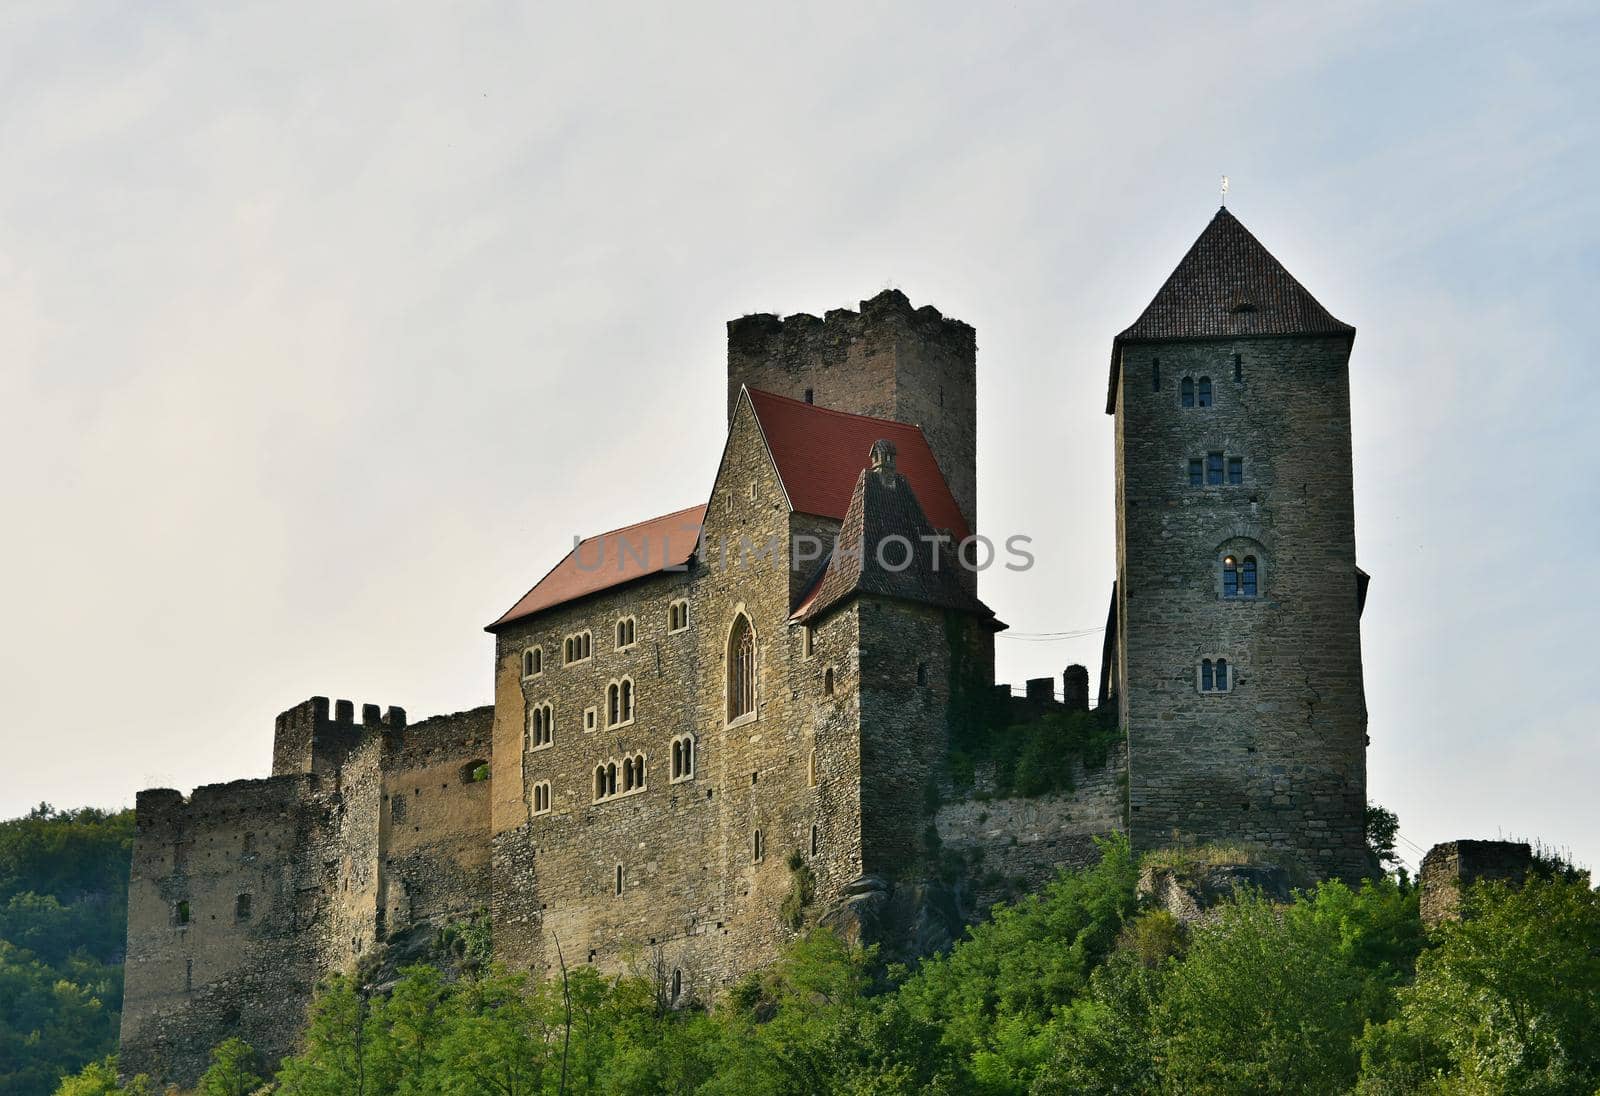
column 1074, row 989
column 63, row 922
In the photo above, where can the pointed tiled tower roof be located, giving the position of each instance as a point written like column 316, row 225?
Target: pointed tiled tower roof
column 883, row 506
column 1228, row 286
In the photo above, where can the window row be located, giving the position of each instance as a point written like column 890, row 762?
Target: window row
column 1215, row 469
column 1192, row 392
column 619, row 713
column 612, row 779
column 579, row 647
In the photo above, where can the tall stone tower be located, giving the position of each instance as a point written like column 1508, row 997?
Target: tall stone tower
column 911, row 365
column 1237, row 647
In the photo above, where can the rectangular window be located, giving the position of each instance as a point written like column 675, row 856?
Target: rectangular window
column 809, row 640
column 1196, row 472
column 1236, row 470
column 1213, row 468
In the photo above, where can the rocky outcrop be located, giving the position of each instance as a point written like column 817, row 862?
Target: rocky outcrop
column 1188, row 892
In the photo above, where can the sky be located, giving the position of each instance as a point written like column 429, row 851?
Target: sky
column 324, row 328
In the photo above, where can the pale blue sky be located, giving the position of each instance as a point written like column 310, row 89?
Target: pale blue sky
column 323, row 328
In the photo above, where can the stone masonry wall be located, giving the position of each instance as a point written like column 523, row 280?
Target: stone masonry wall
column 1280, row 758
column 695, row 898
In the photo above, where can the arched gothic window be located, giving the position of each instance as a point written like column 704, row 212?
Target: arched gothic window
column 541, row 727
column 741, row 669
column 1239, row 576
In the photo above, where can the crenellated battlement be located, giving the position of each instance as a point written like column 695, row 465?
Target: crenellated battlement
column 307, row 738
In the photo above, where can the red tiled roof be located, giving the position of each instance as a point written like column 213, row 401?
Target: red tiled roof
column 820, row 453
column 610, row 559
column 1227, row 286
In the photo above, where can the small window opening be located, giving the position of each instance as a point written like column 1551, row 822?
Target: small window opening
column 183, row 912
column 816, row 838
column 677, row 975
column 827, row 682
column 810, row 396
column 1238, row 368
column 1186, row 391
column 619, row 878
column 755, row 847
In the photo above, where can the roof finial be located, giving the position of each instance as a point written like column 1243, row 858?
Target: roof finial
column 1224, row 192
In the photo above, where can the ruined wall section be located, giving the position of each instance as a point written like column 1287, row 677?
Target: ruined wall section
column 227, row 915
column 434, row 822
column 890, row 360
column 1014, row 845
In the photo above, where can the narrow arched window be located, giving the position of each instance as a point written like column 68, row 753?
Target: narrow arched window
column 827, row 682
column 1230, row 576
column 677, row 759
column 613, row 705
column 741, row 669
column 816, row 838
column 1247, row 579
column 619, row 878
column 1222, row 675
column 1204, row 397
column 599, row 782
column 1186, row 391
column 611, row 778
column 755, row 847
column 638, row 770
column 677, row 974
column 627, row 774
column 627, row 699
column 1207, row 678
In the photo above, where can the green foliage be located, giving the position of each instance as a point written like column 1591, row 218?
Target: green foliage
column 480, row 773
column 63, row 925
column 1507, row 1002
column 802, row 889
column 232, row 1071
column 1383, row 826
column 99, row 1078
column 1033, row 758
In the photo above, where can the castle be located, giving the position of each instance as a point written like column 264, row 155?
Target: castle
column 718, row 726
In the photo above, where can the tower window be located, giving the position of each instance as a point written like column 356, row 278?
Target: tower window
column 756, row 848
column 619, row 878
column 541, row 797
column 808, row 640
column 577, row 648
column 741, row 669
column 1247, row 579
column 1186, row 392
column 816, row 838
column 1213, row 468
column 626, row 629
column 533, row 662
column 1238, row 368
column 1235, row 470
column 1214, row 675
column 683, row 758
column 1204, row 397
column 1197, row 472
column 1238, row 576
column 619, row 702
column 677, row 616
column 827, row 682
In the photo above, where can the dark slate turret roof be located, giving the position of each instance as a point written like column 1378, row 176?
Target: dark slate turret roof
column 1228, row 286
column 883, row 505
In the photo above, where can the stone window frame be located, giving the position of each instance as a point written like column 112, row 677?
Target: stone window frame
column 754, row 713
column 758, row 847
column 677, row 616
column 538, row 787
column 532, row 656
column 581, row 641
column 541, row 733
column 632, row 623
column 1229, row 666
column 683, row 759
column 611, row 775
column 808, row 640
column 1246, row 566
column 591, row 719
column 625, row 694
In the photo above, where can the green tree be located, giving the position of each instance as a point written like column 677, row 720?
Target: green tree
column 1507, row 1002
column 232, row 1071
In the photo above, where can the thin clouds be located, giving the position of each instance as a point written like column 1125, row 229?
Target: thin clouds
column 321, row 333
